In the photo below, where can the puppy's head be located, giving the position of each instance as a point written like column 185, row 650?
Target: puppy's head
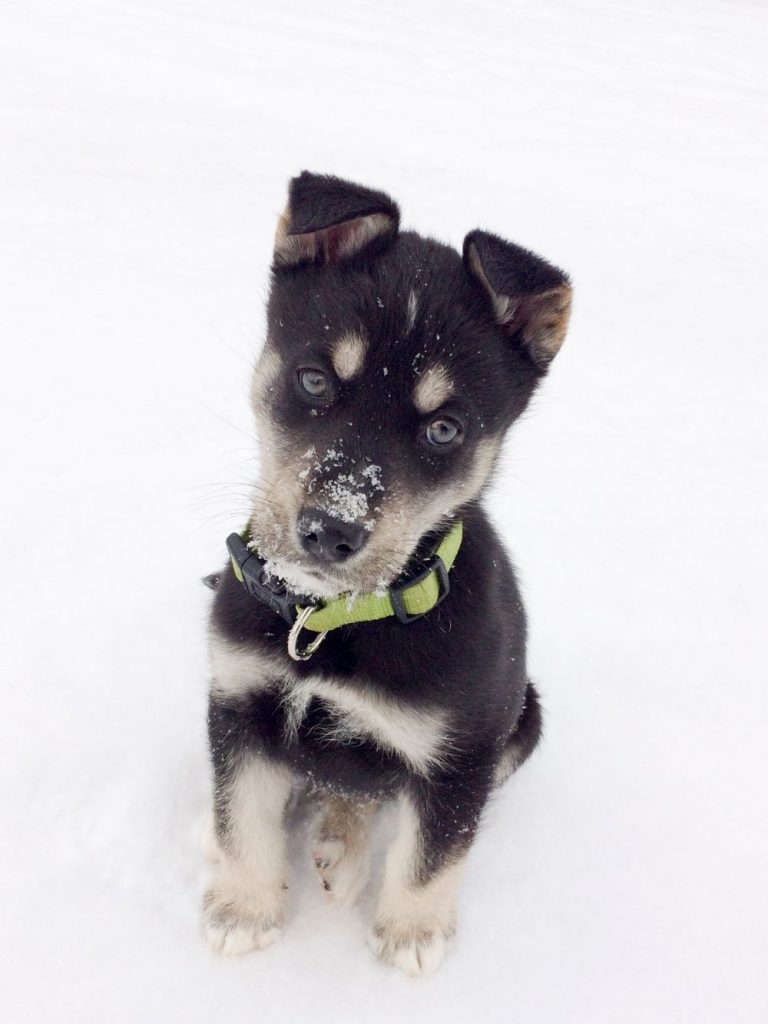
column 392, row 368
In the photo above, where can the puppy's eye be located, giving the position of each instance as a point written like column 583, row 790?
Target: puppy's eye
column 314, row 383
column 443, row 431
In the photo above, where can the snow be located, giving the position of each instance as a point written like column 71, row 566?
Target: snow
column 146, row 149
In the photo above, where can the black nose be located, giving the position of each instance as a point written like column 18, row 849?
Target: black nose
column 329, row 539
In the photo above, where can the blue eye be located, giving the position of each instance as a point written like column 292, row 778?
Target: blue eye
column 314, row 383
column 443, row 431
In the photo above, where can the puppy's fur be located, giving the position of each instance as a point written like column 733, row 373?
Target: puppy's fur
column 404, row 332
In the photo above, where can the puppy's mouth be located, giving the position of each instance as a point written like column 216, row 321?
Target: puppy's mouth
column 308, row 581
column 324, row 558
column 323, row 582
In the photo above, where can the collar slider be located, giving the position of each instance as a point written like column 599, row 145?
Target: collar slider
column 397, row 590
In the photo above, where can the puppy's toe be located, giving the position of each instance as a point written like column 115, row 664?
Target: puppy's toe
column 240, row 936
column 234, row 926
column 327, row 853
column 415, row 951
column 342, row 872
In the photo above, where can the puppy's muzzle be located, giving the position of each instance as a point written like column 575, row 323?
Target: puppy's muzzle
column 328, row 539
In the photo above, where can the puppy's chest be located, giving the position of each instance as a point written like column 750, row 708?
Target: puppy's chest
column 317, row 710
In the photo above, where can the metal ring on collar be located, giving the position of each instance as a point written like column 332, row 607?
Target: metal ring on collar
column 293, row 637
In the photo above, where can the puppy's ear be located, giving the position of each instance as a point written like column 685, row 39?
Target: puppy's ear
column 329, row 220
column 531, row 298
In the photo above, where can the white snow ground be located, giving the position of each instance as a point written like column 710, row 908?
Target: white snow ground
column 146, row 147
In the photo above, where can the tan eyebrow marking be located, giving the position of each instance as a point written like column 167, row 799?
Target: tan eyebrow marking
column 348, row 355
column 433, row 387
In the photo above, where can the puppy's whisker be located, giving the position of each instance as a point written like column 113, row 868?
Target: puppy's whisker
column 241, row 430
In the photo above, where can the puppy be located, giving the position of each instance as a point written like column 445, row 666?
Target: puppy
column 368, row 634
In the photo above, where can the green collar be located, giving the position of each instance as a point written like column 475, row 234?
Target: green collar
column 406, row 601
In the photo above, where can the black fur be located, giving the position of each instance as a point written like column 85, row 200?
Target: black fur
column 468, row 656
column 511, row 269
column 319, row 201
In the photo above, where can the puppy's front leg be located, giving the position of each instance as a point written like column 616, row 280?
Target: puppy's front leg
column 416, row 913
column 243, row 908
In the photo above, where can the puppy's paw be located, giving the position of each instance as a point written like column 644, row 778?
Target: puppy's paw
column 415, row 949
column 237, row 923
column 342, row 869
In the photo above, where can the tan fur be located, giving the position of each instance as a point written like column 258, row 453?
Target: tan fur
column 237, row 670
column 264, row 378
column 503, row 305
column 433, row 388
column 335, row 242
column 419, row 735
column 414, row 921
column 243, row 907
column 340, row 846
column 545, row 316
column 267, row 371
column 348, row 355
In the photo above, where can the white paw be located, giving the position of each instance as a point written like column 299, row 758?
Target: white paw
column 236, row 924
column 413, row 949
column 343, row 872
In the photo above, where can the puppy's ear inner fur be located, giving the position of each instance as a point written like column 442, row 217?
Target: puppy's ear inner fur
column 329, row 220
column 531, row 298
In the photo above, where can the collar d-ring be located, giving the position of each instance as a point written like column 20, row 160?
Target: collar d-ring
column 293, row 637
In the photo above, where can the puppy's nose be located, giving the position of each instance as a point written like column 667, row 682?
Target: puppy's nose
column 329, row 539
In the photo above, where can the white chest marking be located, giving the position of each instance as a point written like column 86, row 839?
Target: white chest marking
column 417, row 735
column 238, row 670
column 420, row 736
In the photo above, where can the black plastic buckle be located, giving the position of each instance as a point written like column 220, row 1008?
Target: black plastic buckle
column 259, row 583
column 444, row 588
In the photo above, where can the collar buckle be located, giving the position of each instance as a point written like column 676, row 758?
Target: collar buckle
column 397, row 590
column 249, row 569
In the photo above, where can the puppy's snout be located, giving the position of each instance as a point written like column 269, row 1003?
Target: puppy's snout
column 328, row 539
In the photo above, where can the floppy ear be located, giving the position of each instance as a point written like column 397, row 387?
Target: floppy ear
column 328, row 220
column 531, row 298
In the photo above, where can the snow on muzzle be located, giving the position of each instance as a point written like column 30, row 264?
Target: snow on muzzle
column 341, row 487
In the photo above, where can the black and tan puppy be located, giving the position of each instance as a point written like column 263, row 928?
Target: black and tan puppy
column 368, row 635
